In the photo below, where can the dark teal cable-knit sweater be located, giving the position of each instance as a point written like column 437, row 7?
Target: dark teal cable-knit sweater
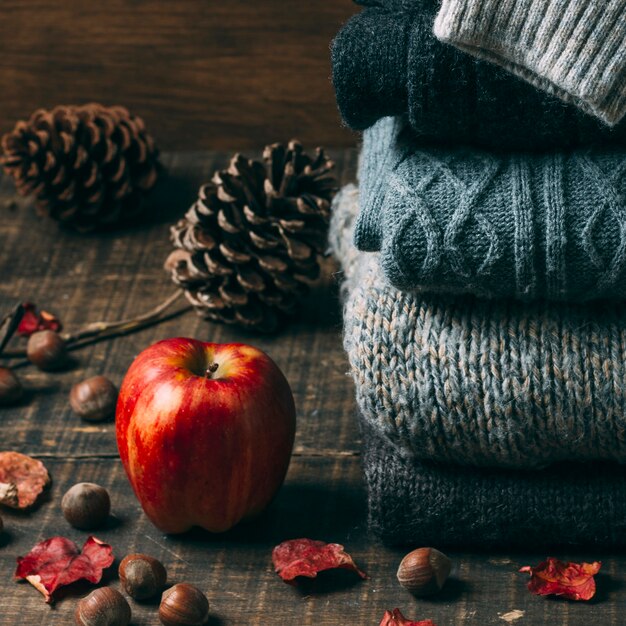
column 529, row 226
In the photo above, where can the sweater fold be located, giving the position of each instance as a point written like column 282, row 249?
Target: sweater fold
column 463, row 380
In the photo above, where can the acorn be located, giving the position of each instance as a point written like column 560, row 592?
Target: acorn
column 47, row 350
column 94, row 399
column 183, row 605
column 103, row 607
column 86, row 505
column 424, row 571
column 11, row 389
column 142, row 576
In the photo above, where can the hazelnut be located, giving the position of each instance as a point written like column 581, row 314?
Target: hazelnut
column 46, row 349
column 103, row 607
column 424, row 571
column 94, row 399
column 142, row 576
column 86, row 505
column 10, row 387
column 183, row 605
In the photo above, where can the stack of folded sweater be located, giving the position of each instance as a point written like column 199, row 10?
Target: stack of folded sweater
column 485, row 267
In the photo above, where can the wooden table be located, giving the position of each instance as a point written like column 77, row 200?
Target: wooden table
column 110, row 276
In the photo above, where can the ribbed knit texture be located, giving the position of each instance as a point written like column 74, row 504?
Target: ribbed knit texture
column 548, row 226
column 388, row 62
column 420, row 503
column 574, row 49
column 480, row 382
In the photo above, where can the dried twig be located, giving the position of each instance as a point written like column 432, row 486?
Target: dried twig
column 9, row 325
column 99, row 331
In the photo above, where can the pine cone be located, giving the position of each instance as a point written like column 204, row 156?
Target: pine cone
column 88, row 166
column 249, row 246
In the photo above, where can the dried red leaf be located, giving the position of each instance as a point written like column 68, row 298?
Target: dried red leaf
column 556, row 578
column 57, row 562
column 22, row 479
column 306, row 557
column 395, row 618
column 33, row 321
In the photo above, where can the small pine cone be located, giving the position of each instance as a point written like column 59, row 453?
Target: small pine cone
column 248, row 247
column 88, row 166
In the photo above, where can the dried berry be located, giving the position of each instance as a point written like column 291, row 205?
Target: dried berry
column 47, row 350
column 33, row 320
column 94, row 399
column 86, row 505
column 424, row 571
column 103, row 607
column 142, row 576
column 183, row 605
column 10, row 387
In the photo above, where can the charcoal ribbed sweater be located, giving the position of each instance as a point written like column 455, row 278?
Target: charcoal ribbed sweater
column 386, row 61
column 423, row 503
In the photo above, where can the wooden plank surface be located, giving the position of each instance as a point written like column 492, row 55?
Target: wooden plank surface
column 84, row 278
column 203, row 73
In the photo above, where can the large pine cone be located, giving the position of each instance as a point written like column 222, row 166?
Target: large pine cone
column 88, row 166
column 250, row 244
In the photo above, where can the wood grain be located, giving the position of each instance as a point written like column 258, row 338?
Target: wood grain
column 203, row 73
column 83, row 278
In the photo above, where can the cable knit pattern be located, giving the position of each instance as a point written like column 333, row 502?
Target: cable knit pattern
column 421, row 503
column 549, row 226
column 481, row 382
column 386, row 61
column 574, row 49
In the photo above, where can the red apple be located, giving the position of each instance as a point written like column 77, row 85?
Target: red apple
column 205, row 432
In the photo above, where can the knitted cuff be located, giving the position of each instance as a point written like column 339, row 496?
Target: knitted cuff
column 573, row 49
column 383, row 150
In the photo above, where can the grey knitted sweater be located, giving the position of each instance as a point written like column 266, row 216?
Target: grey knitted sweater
column 548, row 226
column 481, row 382
column 574, row 49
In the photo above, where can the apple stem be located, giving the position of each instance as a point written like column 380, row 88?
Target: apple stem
column 211, row 370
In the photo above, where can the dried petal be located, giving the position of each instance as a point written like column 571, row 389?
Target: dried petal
column 57, row 562
column 33, row 321
column 29, row 476
column 395, row 618
column 573, row 581
column 306, row 557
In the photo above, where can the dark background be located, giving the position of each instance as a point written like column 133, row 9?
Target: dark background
column 203, row 74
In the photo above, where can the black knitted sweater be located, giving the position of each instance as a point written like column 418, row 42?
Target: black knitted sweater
column 386, row 61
